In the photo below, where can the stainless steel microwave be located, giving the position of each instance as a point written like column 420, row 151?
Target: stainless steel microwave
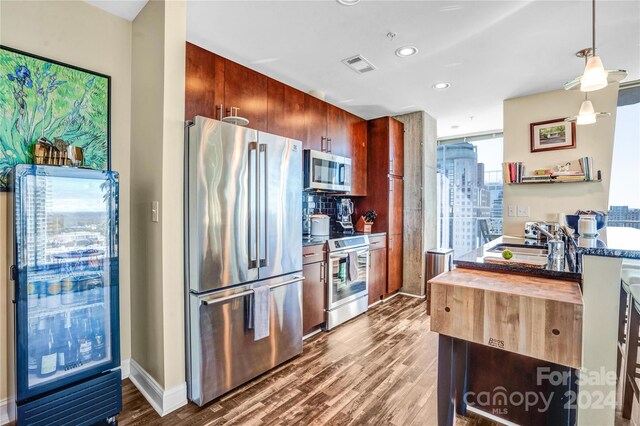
column 327, row 172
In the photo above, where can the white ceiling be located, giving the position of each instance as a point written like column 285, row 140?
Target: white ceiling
column 127, row 9
column 488, row 50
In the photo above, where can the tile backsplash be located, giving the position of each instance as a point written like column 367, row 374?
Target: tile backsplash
column 318, row 202
column 313, row 202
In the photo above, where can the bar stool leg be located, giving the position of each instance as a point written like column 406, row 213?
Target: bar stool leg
column 631, row 356
column 623, row 313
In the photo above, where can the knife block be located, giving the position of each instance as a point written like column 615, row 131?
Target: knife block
column 362, row 226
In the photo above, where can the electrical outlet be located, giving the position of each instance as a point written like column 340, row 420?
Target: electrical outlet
column 523, row 211
column 155, row 211
column 512, row 211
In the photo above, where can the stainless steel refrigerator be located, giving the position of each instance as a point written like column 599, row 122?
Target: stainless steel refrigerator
column 243, row 231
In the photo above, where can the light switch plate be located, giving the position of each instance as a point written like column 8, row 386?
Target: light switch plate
column 155, row 211
column 523, row 211
column 512, row 211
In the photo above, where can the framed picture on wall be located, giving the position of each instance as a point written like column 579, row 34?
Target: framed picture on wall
column 552, row 134
column 40, row 97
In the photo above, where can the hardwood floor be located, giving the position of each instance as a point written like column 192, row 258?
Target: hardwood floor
column 379, row 368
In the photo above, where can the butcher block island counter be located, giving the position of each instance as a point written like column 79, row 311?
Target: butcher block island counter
column 509, row 346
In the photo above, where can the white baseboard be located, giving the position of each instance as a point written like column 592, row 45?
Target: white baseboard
column 390, row 297
column 313, row 333
column 4, row 412
column 125, row 368
column 163, row 401
column 375, row 303
column 411, row 295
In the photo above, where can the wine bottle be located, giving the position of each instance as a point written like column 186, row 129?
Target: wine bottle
column 98, row 344
column 85, row 341
column 70, row 345
column 59, row 337
column 34, row 340
column 47, row 353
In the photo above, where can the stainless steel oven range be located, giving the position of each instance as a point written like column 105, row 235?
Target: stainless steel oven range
column 348, row 279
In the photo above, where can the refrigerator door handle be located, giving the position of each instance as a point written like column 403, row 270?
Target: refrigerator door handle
column 253, row 226
column 263, row 205
column 212, row 300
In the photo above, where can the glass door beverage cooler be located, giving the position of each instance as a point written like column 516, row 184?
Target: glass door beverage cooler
column 65, row 276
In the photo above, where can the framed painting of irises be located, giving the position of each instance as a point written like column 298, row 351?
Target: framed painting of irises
column 41, row 97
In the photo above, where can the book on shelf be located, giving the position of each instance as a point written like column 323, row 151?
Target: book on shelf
column 568, row 173
column 586, row 164
column 537, row 178
column 512, row 172
column 567, row 178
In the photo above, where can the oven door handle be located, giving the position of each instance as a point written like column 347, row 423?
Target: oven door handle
column 344, row 256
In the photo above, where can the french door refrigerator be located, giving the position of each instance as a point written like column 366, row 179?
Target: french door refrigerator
column 243, row 231
column 66, row 350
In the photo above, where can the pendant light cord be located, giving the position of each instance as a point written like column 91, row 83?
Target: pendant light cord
column 593, row 27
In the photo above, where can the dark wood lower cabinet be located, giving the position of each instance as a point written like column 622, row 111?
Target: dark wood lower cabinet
column 377, row 274
column 313, row 296
column 394, row 264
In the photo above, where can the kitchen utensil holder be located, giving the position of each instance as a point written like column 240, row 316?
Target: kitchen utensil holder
column 363, row 226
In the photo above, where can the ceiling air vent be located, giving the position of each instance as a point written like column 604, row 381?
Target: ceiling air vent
column 359, row 64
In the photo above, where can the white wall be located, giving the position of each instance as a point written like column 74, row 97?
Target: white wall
column 595, row 140
column 77, row 33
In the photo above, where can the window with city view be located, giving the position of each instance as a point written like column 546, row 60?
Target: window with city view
column 469, row 192
column 624, row 194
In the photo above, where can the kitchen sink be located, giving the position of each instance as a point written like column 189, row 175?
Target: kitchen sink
column 520, row 249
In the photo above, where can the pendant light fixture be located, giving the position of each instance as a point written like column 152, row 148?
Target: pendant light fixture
column 587, row 114
column 594, row 77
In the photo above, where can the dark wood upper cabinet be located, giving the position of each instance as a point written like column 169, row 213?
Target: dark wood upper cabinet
column 247, row 90
column 357, row 137
column 285, row 110
column 315, row 123
column 386, row 145
column 204, row 82
column 338, row 131
column 396, row 147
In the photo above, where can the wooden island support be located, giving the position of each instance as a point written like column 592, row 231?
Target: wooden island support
column 509, row 345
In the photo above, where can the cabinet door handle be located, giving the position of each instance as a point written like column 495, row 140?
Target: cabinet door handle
column 322, row 138
column 390, row 184
column 391, row 165
column 329, row 144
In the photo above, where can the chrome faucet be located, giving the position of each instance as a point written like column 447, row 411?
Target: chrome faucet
column 555, row 247
column 546, row 233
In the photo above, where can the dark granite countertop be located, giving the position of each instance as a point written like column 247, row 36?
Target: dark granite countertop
column 475, row 259
column 611, row 242
column 307, row 240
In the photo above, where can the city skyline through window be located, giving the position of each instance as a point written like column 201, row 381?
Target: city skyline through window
column 469, row 192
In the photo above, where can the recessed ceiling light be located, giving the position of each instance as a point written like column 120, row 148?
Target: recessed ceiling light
column 405, row 51
column 441, row 86
column 348, row 2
